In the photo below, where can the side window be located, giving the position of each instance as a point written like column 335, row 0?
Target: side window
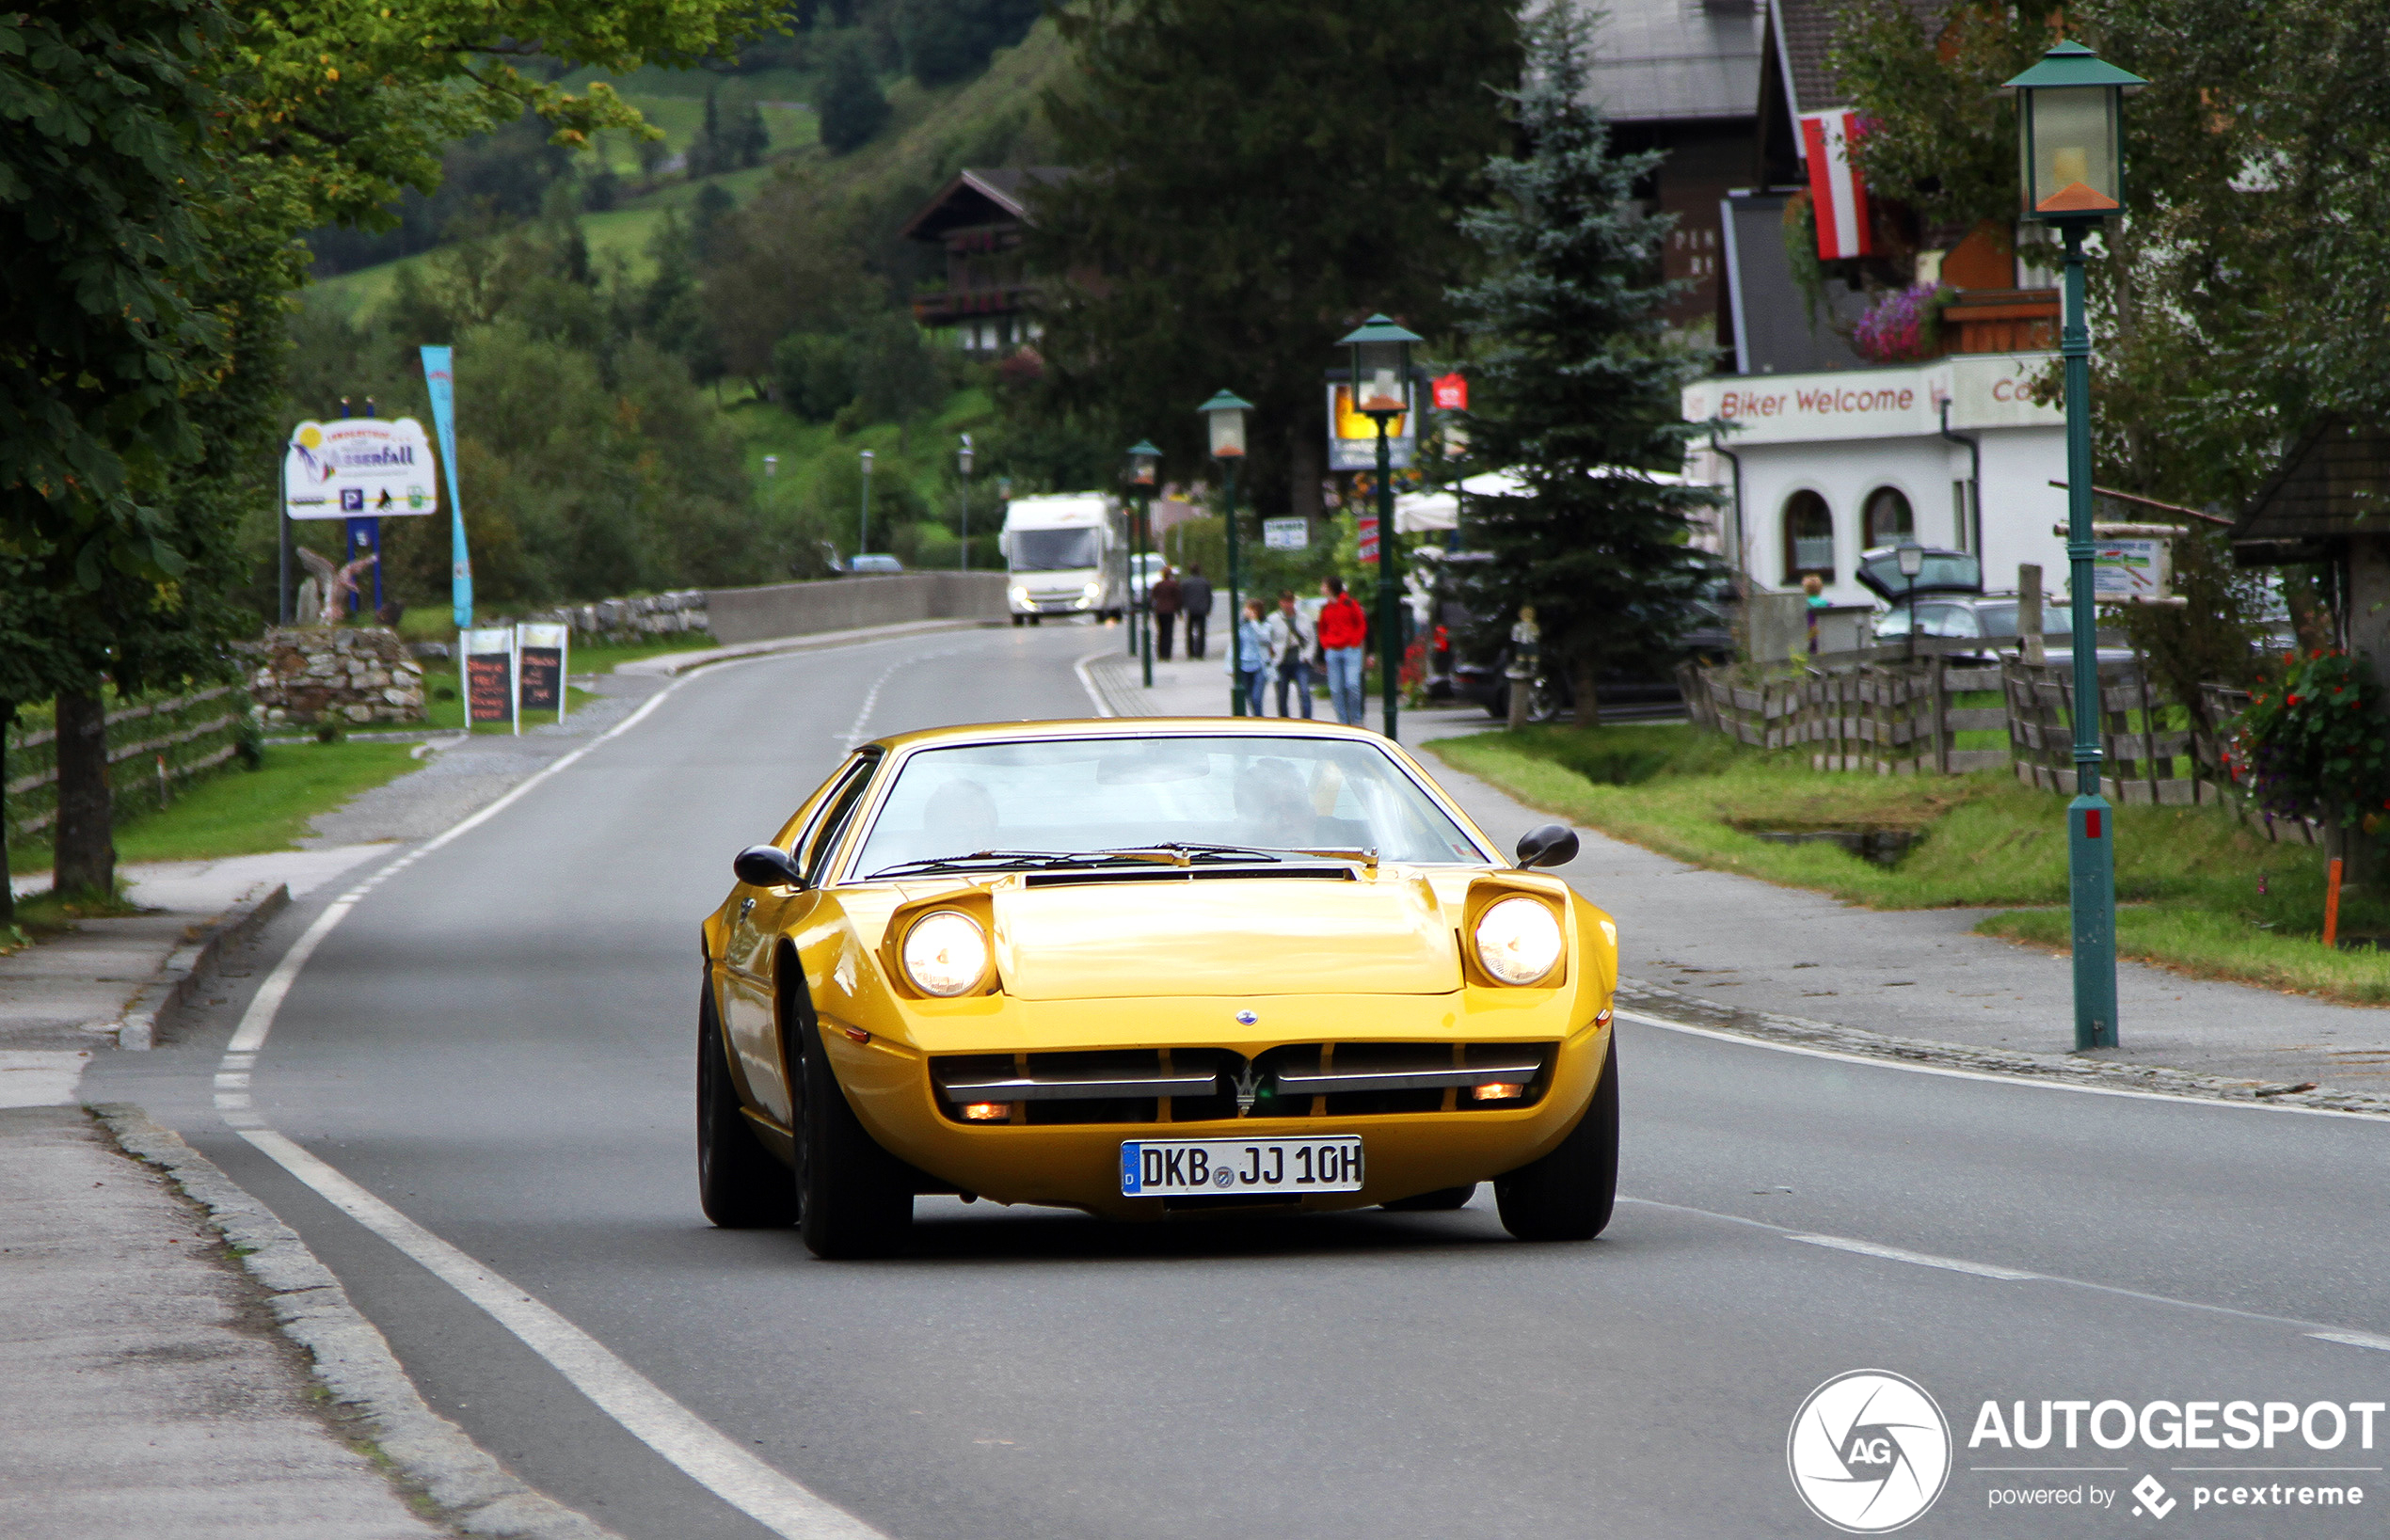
column 1809, row 537
column 837, row 812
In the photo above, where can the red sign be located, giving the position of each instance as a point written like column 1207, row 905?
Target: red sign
column 1452, row 393
column 1366, row 527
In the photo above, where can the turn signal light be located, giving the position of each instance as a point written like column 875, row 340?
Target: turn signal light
column 986, row 1112
column 1497, row 1092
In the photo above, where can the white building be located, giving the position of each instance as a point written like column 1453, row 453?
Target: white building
column 1820, row 467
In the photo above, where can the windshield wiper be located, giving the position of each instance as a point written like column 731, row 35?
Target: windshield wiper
column 978, row 860
column 1184, row 852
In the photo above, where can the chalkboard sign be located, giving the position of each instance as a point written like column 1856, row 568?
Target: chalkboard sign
column 540, row 650
column 490, row 675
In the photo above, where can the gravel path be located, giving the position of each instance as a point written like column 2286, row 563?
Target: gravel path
column 462, row 775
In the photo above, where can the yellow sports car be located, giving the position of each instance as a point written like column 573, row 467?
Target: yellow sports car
column 1151, row 971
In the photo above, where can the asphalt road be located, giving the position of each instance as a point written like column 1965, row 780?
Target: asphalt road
column 498, row 1042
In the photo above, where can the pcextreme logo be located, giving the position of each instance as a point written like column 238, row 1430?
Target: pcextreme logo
column 1869, row 1452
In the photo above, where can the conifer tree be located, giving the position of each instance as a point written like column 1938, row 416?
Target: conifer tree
column 853, row 107
column 1576, row 390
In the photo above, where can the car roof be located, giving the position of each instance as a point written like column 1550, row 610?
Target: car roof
column 1062, row 728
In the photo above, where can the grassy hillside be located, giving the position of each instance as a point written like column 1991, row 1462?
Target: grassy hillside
column 990, row 119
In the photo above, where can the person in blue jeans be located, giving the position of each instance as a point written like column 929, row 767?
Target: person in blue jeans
column 1251, row 659
column 1342, row 630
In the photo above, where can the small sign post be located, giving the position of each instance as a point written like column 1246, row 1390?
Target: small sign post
column 1287, row 533
column 485, row 659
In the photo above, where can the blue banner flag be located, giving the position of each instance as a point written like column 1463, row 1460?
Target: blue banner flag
column 438, row 373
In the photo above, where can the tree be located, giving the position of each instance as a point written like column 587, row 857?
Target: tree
column 1577, row 383
column 852, row 108
column 947, row 40
column 896, row 377
column 791, row 261
column 813, row 374
column 1232, row 217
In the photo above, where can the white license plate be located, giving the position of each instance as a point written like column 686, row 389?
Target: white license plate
column 1184, row 1167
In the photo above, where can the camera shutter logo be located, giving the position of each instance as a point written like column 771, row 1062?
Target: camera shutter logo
column 1869, row 1452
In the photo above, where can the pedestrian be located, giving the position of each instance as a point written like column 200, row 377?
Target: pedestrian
column 1343, row 627
column 1290, row 634
column 1813, row 589
column 1165, row 601
column 1195, row 603
column 1251, row 657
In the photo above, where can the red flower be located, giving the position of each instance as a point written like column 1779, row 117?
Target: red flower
column 2293, row 700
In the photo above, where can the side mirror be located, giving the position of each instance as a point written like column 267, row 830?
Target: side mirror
column 1547, row 844
column 767, row 866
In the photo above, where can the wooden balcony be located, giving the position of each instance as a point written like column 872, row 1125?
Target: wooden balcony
column 2001, row 320
column 946, row 307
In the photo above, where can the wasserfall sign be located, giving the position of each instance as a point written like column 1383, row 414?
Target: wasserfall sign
column 360, row 468
column 1991, row 391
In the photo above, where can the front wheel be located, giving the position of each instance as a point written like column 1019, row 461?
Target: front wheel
column 857, row 1200
column 739, row 1184
column 1567, row 1195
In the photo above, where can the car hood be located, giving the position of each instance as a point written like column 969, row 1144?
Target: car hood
column 1225, row 936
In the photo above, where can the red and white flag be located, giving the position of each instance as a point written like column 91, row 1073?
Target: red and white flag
column 1835, row 191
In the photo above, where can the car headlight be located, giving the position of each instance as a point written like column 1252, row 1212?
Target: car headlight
column 1020, row 594
column 945, row 953
column 1093, row 589
column 1518, row 940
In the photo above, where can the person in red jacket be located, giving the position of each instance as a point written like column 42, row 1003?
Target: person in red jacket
column 1343, row 628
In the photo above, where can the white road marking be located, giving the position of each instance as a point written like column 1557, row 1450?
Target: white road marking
column 1893, row 1253
column 2353, row 1339
column 781, row 1504
column 1088, row 684
column 755, row 1489
column 2022, row 1081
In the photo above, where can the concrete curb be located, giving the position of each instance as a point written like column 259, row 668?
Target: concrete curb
column 2064, row 1068
column 670, row 664
column 1116, row 680
column 187, row 965
column 471, row 1491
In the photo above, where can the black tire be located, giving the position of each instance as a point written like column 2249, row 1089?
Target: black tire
column 1439, row 1201
column 1019, row 620
column 739, row 1184
column 1034, row 619
column 1567, row 1195
column 854, row 1199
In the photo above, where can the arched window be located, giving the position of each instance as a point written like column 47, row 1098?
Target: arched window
column 1809, row 537
column 1888, row 520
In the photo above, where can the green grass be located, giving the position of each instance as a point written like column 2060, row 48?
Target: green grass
column 240, row 812
column 2204, row 893
column 447, row 713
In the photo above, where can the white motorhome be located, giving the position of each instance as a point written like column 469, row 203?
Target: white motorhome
column 1067, row 555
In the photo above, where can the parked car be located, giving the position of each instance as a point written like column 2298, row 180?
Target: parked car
column 1990, row 618
column 871, row 564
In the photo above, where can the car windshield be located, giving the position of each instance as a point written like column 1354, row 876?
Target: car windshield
column 1056, row 550
column 1220, row 798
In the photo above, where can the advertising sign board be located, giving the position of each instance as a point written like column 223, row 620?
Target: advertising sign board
column 1366, row 527
column 360, row 468
column 540, row 652
column 486, row 657
column 1287, row 533
column 1353, row 437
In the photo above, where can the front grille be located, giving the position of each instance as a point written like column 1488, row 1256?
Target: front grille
column 1215, row 1084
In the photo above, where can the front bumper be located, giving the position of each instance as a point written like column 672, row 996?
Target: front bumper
column 893, row 1087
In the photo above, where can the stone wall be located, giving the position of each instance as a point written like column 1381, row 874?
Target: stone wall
column 354, row 675
column 632, row 619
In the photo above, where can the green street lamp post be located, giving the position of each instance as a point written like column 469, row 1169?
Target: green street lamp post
column 1382, row 389
column 1224, row 414
column 863, row 513
column 963, row 491
column 1144, row 461
column 2069, row 118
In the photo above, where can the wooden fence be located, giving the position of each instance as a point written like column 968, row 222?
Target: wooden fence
column 1894, row 718
column 1867, row 711
column 151, row 743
